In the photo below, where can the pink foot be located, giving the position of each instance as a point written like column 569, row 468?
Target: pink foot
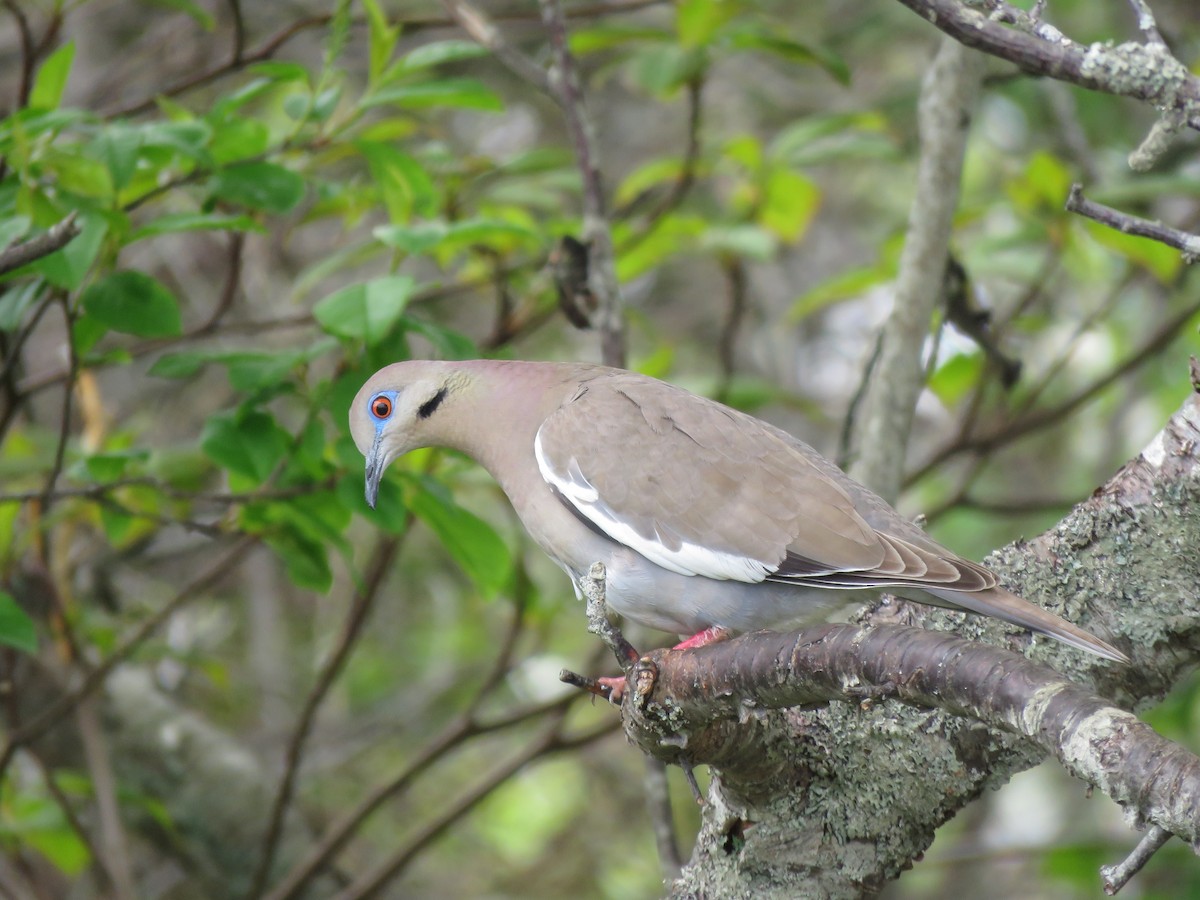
column 612, row 688
column 710, row 635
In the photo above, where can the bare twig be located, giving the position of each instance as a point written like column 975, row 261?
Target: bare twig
column 1145, row 22
column 1049, row 417
column 1188, row 244
column 464, row 727
column 55, row 238
column 662, row 818
column 113, row 843
column 360, row 607
column 38, row 726
column 28, row 52
column 272, row 45
column 735, row 274
column 1117, row 876
column 546, row 740
column 484, row 32
column 597, row 233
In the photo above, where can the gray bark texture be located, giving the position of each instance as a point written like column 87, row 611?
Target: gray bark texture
column 836, row 752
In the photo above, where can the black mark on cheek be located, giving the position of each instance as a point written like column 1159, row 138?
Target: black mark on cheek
column 425, row 410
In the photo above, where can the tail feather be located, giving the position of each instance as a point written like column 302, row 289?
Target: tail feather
column 1001, row 604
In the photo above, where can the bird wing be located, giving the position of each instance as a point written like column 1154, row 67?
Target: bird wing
column 701, row 489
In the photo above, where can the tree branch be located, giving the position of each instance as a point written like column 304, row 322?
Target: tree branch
column 1188, row 244
column 1143, row 71
column 55, row 238
column 947, row 99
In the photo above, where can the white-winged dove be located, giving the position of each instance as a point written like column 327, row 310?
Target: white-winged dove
column 708, row 521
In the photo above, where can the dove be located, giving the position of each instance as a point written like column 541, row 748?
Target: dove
column 709, row 522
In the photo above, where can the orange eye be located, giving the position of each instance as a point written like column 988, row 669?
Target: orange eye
column 381, row 407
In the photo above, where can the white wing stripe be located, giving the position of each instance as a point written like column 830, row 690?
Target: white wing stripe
column 689, row 559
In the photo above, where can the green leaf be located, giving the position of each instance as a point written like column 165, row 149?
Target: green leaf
column 955, row 377
column 306, row 560
column 238, row 139
column 260, row 185
column 612, row 36
column 698, row 21
column 117, row 147
column 448, row 343
column 12, row 229
column 421, row 237
column 111, row 466
column 134, row 303
column 17, row 300
column 175, row 223
column 472, row 542
column 367, row 312
column 51, row 78
column 406, row 187
column 249, row 443
column 248, row 371
column 1158, row 259
column 437, row 52
column 201, row 16
column 748, row 241
column 754, row 38
column 464, row 93
column 791, row 202
column 16, row 628
column 381, row 39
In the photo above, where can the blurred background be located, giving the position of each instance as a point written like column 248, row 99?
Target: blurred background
column 216, row 655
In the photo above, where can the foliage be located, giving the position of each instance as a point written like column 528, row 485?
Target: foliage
column 254, row 243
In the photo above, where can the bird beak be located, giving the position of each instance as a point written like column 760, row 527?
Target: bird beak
column 376, row 463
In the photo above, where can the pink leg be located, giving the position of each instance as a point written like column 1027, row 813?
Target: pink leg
column 710, row 635
column 613, row 688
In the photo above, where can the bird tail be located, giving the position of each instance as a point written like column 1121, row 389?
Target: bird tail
column 1002, row 604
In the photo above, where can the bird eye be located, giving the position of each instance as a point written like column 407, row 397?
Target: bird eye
column 381, row 407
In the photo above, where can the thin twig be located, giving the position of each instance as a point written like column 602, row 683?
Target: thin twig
column 275, row 43
column 662, row 818
column 1188, row 244
column 735, row 274
column 28, row 53
column 379, row 876
column 1117, row 876
column 597, row 233
column 484, row 32
column 113, row 842
column 1145, row 22
column 360, row 607
column 38, row 726
column 64, row 429
column 1056, row 415
column 55, row 238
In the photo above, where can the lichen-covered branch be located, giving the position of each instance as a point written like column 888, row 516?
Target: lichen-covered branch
column 1145, row 71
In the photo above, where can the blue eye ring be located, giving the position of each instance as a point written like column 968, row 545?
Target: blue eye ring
column 381, row 407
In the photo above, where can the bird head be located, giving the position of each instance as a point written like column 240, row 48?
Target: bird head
column 396, row 411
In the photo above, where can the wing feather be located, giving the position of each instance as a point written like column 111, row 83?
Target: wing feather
column 701, row 489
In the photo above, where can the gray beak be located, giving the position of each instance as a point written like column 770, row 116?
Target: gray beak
column 375, row 466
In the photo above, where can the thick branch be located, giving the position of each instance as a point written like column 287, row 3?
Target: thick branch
column 704, row 693
column 947, row 98
column 1143, row 71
